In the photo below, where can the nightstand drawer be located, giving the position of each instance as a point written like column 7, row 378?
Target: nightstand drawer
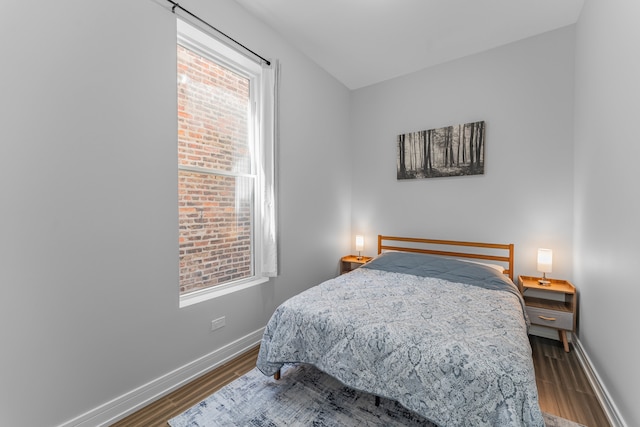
column 550, row 318
column 553, row 304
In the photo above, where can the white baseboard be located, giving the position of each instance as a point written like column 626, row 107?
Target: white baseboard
column 610, row 409
column 140, row 397
column 136, row 399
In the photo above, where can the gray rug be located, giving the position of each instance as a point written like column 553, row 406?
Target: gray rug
column 304, row 396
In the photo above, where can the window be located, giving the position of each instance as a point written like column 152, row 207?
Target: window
column 225, row 168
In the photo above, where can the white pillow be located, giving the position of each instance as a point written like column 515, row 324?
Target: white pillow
column 494, row 266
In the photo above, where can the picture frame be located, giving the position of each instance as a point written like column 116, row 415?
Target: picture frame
column 442, row 152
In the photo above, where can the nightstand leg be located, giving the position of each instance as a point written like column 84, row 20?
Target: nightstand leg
column 562, row 334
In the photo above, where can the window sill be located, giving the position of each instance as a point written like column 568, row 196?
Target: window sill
column 219, row 291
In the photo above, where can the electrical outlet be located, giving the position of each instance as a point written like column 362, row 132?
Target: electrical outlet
column 217, row 323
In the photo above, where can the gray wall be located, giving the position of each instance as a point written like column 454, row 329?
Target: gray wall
column 88, row 180
column 89, row 186
column 524, row 93
column 607, row 205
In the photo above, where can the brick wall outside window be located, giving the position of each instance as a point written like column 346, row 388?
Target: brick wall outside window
column 215, row 209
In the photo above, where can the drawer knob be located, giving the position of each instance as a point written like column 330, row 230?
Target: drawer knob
column 550, row 319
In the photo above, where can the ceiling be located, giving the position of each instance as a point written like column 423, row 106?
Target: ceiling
column 362, row 42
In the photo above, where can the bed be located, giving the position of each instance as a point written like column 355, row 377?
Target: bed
column 437, row 325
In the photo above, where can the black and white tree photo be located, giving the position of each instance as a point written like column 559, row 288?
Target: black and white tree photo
column 447, row 151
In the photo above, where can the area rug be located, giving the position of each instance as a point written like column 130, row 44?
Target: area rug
column 304, row 396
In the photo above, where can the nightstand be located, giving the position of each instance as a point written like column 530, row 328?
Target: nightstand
column 351, row 262
column 553, row 305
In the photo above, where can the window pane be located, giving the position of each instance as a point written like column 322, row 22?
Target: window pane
column 213, row 114
column 215, row 229
column 215, row 207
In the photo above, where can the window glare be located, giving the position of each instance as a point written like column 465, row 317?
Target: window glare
column 212, row 115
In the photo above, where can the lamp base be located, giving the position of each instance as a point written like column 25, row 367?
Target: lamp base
column 544, row 282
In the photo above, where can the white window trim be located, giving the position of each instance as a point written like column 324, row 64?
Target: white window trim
column 219, row 290
column 207, row 46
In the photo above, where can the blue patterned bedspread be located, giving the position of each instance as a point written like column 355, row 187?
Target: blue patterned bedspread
column 453, row 348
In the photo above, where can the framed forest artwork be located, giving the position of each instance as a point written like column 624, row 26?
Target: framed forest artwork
column 447, row 151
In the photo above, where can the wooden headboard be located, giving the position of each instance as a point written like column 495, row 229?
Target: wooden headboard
column 497, row 252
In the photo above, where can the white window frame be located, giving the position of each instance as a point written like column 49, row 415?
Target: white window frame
column 207, row 46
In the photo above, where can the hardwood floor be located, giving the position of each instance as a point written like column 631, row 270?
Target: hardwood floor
column 167, row 407
column 563, row 388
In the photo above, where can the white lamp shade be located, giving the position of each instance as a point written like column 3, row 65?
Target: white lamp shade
column 359, row 243
column 545, row 260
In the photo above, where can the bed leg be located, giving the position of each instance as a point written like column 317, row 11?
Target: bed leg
column 276, row 376
column 377, row 400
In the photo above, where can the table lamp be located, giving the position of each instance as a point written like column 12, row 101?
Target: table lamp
column 545, row 258
column 359, row 245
